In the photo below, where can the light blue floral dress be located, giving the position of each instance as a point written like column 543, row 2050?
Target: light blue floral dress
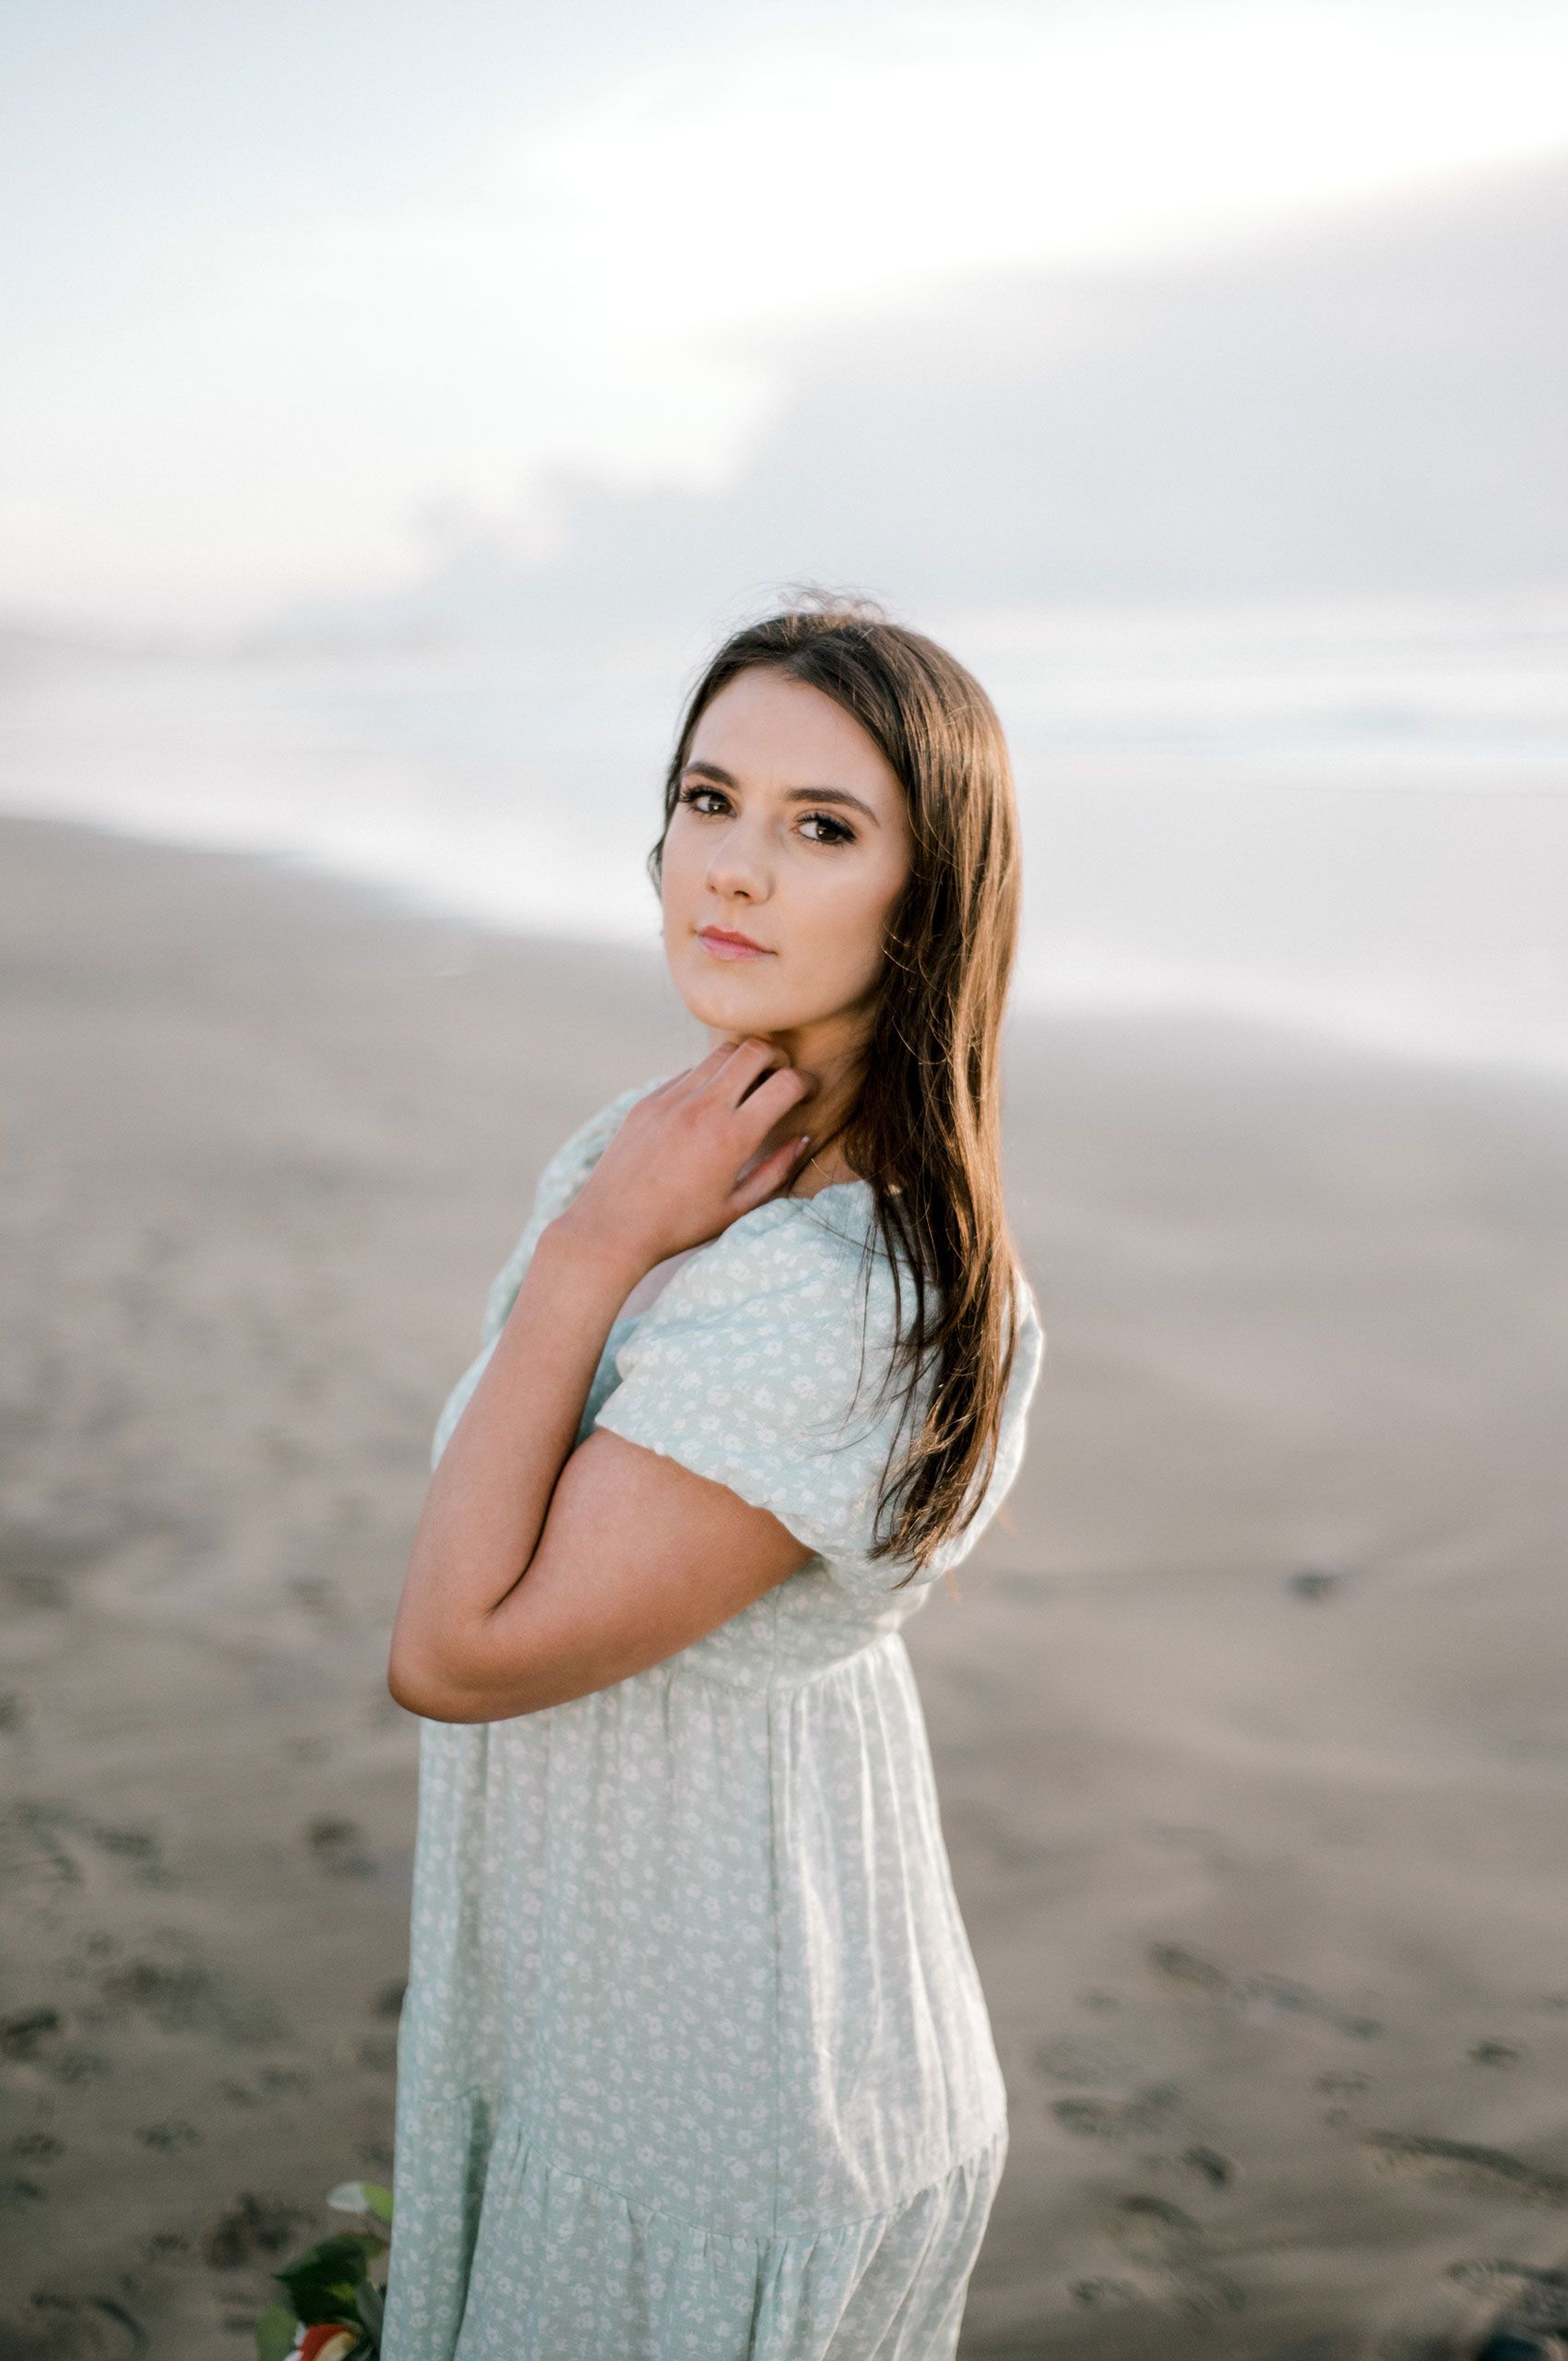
column 694, row 2063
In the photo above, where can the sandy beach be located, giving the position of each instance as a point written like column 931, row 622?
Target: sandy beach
column 1250, row 1723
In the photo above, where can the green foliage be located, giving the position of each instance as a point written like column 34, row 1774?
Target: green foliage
column 275, row 2333
column 322, row 2283
column 330, row 2285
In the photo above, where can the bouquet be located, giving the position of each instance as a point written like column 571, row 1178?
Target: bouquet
column 333, row 2306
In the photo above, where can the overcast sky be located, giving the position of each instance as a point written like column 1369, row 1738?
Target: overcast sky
column 306, row 296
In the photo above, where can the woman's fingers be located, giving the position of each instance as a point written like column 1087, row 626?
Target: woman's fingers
column 772, row 1100
column 741, row 1083
column 694, row 1077
column 730, row 1067
column 742, row 1061
column 735, row 1082
column 777, row 1167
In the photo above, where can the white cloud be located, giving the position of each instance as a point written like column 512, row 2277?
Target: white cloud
column 602, row 299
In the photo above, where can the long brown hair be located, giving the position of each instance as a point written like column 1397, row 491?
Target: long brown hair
column 926, row 1129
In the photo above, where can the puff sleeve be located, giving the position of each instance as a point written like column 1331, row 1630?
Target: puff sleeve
column 747, row 1368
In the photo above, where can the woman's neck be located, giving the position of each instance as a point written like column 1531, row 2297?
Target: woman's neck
column 835, row 1071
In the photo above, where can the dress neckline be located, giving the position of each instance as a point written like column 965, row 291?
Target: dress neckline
column 832, row 1187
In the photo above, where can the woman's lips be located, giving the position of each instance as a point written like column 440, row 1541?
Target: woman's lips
column 730, row 946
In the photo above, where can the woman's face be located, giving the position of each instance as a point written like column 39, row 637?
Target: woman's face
column 791, row 833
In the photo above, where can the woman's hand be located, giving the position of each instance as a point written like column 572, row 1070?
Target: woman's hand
column 680, row 1170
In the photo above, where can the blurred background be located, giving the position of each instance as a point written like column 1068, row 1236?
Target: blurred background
column 399, row 403
column 400, row 399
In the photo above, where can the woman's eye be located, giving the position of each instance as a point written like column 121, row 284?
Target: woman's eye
column 840, row 835
column 689, row 795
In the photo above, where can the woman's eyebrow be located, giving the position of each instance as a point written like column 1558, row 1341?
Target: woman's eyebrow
column 792, row 794
column 830, row 794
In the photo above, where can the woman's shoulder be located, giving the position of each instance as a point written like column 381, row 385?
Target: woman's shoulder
column 792, row 1263
column 822, row 1257
column 786, row 1296
column 826, row 1231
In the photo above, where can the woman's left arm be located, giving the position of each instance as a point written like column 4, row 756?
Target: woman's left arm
column 540, row 1573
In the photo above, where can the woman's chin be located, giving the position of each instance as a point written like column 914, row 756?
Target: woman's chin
column 731, row 1004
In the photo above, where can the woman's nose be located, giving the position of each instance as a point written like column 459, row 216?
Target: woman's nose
column 739, row 865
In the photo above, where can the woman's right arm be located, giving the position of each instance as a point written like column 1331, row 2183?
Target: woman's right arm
column 539, row 1571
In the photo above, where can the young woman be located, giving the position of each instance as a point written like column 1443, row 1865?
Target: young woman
column 694, row 2063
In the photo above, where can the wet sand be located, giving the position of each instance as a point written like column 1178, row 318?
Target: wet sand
column 1250, row 1724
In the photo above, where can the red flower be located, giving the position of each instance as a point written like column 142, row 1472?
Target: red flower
column 327, row 2340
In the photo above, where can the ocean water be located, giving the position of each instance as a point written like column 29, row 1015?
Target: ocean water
column 1349, row 818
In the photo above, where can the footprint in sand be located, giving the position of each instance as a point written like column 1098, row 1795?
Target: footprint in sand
column 339, row 1846
column 1314, row 1581
column 1196, row 2296
column 252, row 2230
column 1456, row 2164
column 23, row 2035
column 1162, row 2265
column 54, row 1842
column 1180, row 1965
column 1522, row 2296
column 140, row 1847
column 1152, row 2113
column 1484, row 2310
column 95, row 2328
column 286, row 2078
column 165, row 2246
column 167, row 2137
column 1073, row 2058
column 1152, row 2110
column 1259, row 1990
column 1108, row 2295
column 180, row 1994
column 76, row 2066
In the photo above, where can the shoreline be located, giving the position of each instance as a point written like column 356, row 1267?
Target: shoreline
column 1247, row 1722
column 1031, row 1001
